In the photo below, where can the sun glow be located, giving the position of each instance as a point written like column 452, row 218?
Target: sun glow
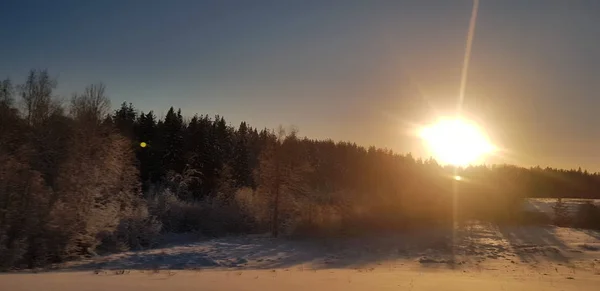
column 456, row 141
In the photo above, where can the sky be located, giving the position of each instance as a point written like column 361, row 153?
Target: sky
column 361, row 71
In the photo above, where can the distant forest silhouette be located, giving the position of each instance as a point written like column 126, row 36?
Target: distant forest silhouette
column 74, row 179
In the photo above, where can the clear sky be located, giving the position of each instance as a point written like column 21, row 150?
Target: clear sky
column 364, row 71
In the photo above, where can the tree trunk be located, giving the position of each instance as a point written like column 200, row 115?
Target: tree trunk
column 276, row 192
column 275, row 220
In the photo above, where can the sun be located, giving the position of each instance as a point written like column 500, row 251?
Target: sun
column 456, row 141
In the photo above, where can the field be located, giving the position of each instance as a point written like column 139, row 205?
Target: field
column 477, row 256
column 545, row 204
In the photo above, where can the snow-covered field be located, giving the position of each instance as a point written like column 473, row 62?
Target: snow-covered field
column 479, row 256
column 296, row 280
column 472, row 245
column 545, row 204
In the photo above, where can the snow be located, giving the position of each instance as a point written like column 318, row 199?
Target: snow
column 545, row 204
column 297, row 279
column 477, row 256
column 472, row 245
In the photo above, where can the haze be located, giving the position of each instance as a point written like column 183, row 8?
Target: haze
column 364, row 71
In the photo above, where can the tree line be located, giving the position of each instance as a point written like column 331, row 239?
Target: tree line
column 217, row 156
column 77, row 178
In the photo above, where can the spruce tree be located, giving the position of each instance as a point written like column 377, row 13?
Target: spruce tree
column 124, row 119
column 196, row 145
column 148, row 156
column 242, row 171
column 172, row 132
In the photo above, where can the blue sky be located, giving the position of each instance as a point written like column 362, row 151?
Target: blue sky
column 364, row 71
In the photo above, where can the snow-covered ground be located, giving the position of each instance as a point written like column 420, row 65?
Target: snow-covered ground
column 301, row 280
column 545, row 204
column 477, row 256
column 473, row 245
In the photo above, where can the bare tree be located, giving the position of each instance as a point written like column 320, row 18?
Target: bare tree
column 282, row 175
column 91, row 106
column 37, row 97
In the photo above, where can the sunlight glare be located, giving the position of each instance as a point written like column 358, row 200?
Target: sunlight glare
column 456, row 141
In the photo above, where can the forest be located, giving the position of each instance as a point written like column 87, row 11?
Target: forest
column 78, row 178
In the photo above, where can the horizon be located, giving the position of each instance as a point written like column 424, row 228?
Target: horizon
column 366, row 73
column 343, row 143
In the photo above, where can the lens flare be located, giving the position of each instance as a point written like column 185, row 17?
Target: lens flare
column 456, row 142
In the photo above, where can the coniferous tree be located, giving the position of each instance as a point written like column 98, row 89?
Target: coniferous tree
column 172, row 132
column 242, row 171
column 151, row 171
column 124, row 119
column 70, row 183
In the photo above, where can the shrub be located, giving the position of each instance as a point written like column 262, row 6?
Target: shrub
column 140, row 230
column 211, row 215
column 254, row 207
